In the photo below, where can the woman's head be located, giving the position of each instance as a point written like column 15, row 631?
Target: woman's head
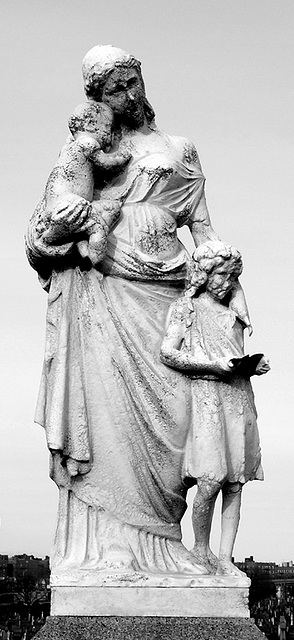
column 215, row 268
column 114, row 77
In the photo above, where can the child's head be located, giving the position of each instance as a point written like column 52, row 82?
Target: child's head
column 94, row 118
column 215, row 268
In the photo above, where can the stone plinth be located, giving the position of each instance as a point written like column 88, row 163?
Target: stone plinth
column 150, row 601
column 139, row 594
column 148, row 628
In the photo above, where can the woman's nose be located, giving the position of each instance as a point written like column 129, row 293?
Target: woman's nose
column 130, row 95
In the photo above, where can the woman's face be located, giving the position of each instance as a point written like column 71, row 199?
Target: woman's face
column 124, row 93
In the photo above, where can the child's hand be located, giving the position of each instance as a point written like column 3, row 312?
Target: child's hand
column 224, row 367
column 262, row 367
column 58, row 473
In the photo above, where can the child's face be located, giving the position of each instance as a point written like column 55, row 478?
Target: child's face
column 220, row 283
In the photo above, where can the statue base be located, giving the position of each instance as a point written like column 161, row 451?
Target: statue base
column 150, row 601
column 148, row 628
column 139, row 594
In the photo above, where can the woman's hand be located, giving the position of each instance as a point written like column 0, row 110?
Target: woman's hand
column 72, row 217
column 238, row 304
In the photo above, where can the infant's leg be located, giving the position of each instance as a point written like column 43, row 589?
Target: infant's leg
column 97, row 244
column 230, row 521
column 106, row 214
column 203, row 508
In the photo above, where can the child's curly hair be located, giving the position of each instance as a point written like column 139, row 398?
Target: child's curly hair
column 89, row 113
column 207, row 257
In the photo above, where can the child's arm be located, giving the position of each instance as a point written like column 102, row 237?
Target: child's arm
column 172, row 355
column 262, row 367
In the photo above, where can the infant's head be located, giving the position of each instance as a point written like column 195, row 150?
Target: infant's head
column 94, row 118
column 215, row 268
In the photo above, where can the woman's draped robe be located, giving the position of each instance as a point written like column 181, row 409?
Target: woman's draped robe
column 105, row 398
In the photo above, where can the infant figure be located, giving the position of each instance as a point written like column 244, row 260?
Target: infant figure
column 72, row 179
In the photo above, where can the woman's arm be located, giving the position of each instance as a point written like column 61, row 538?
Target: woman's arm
column 202, row 231
column 200, row 226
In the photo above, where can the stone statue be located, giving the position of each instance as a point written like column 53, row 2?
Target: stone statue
column 204, row 338
column 119, row 422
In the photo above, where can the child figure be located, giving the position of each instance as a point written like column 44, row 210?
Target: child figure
column 204, row 339
column 71, row 183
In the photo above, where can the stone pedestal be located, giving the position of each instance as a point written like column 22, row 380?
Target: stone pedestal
column 94, row 606
column 139, row 594
column 150, row 601
column 148, row 628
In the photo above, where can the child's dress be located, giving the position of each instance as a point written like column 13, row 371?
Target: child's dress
column 223, row 442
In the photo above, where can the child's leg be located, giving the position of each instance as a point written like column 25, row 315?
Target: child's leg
column 203, row 508
column 229, row 526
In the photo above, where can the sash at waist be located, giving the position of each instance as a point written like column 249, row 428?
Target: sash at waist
column 124, row 261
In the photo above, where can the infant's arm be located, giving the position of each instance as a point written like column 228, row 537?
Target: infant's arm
column 87, row 145
column 93, row 152
column 115, row 160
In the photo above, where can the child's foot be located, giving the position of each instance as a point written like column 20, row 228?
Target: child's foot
column 213, row 559
column 227, row 568
column 206, row 558
column 185, row 560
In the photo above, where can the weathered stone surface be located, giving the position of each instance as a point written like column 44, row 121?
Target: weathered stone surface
column 150, row 628
column 145, row 601
column 119, row 421
column 204, row 337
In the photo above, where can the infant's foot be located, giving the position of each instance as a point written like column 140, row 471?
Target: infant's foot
column 83, row 248
column 227, row 568
column 111, row 212
column 97, row 247
column 106, row 212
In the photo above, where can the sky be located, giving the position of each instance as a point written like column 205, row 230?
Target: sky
column 220, row 73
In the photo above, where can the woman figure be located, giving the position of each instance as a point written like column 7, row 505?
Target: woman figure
column 116, row 418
